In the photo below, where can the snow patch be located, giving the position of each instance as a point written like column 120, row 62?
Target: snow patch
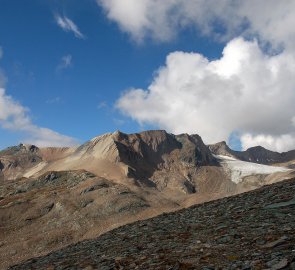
column 222, row 157
column 239, row 169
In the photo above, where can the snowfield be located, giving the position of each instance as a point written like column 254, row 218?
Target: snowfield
column 239, row 169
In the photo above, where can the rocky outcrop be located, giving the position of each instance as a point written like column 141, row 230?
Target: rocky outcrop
column 223, row 149
column 257, row 154
column 149, row 151
column 20, row 149
column 194, row 151
column 163, row 159
column 17, row 159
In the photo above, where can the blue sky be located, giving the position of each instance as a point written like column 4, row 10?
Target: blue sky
column 80, row 69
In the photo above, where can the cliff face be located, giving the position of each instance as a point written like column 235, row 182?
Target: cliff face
column 194, row 151
column 152, row 153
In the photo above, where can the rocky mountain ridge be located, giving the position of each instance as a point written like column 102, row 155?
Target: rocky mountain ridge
column 141, row 153
column 140, row 156
column 257, row 154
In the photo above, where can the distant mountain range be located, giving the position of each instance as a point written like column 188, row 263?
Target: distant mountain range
column 256, row 154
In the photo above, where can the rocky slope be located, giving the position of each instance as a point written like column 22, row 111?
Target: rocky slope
column 256, row 154
column 254, row 230
column 38, row 215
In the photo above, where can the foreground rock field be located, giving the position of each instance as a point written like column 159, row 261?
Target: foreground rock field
column 253, row 230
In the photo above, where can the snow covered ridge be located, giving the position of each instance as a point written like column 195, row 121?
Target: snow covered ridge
column 239, row 169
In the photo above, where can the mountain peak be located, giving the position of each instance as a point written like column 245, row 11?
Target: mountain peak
column 258, row 148
column 221, row 148
column 21, row 148
column 29, row 147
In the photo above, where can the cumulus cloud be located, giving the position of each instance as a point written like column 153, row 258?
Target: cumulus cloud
column 68, row 26
column 15, row 117
column 270, row 20
column 65, row 62
column 245, row 91
column 279, row 143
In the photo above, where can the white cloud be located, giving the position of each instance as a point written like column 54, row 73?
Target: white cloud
column 245, row 91
column 14, row 116
column 271, row 20
column 279, row 143
column 65, row 62
column 133, row 17
column 69, row 26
